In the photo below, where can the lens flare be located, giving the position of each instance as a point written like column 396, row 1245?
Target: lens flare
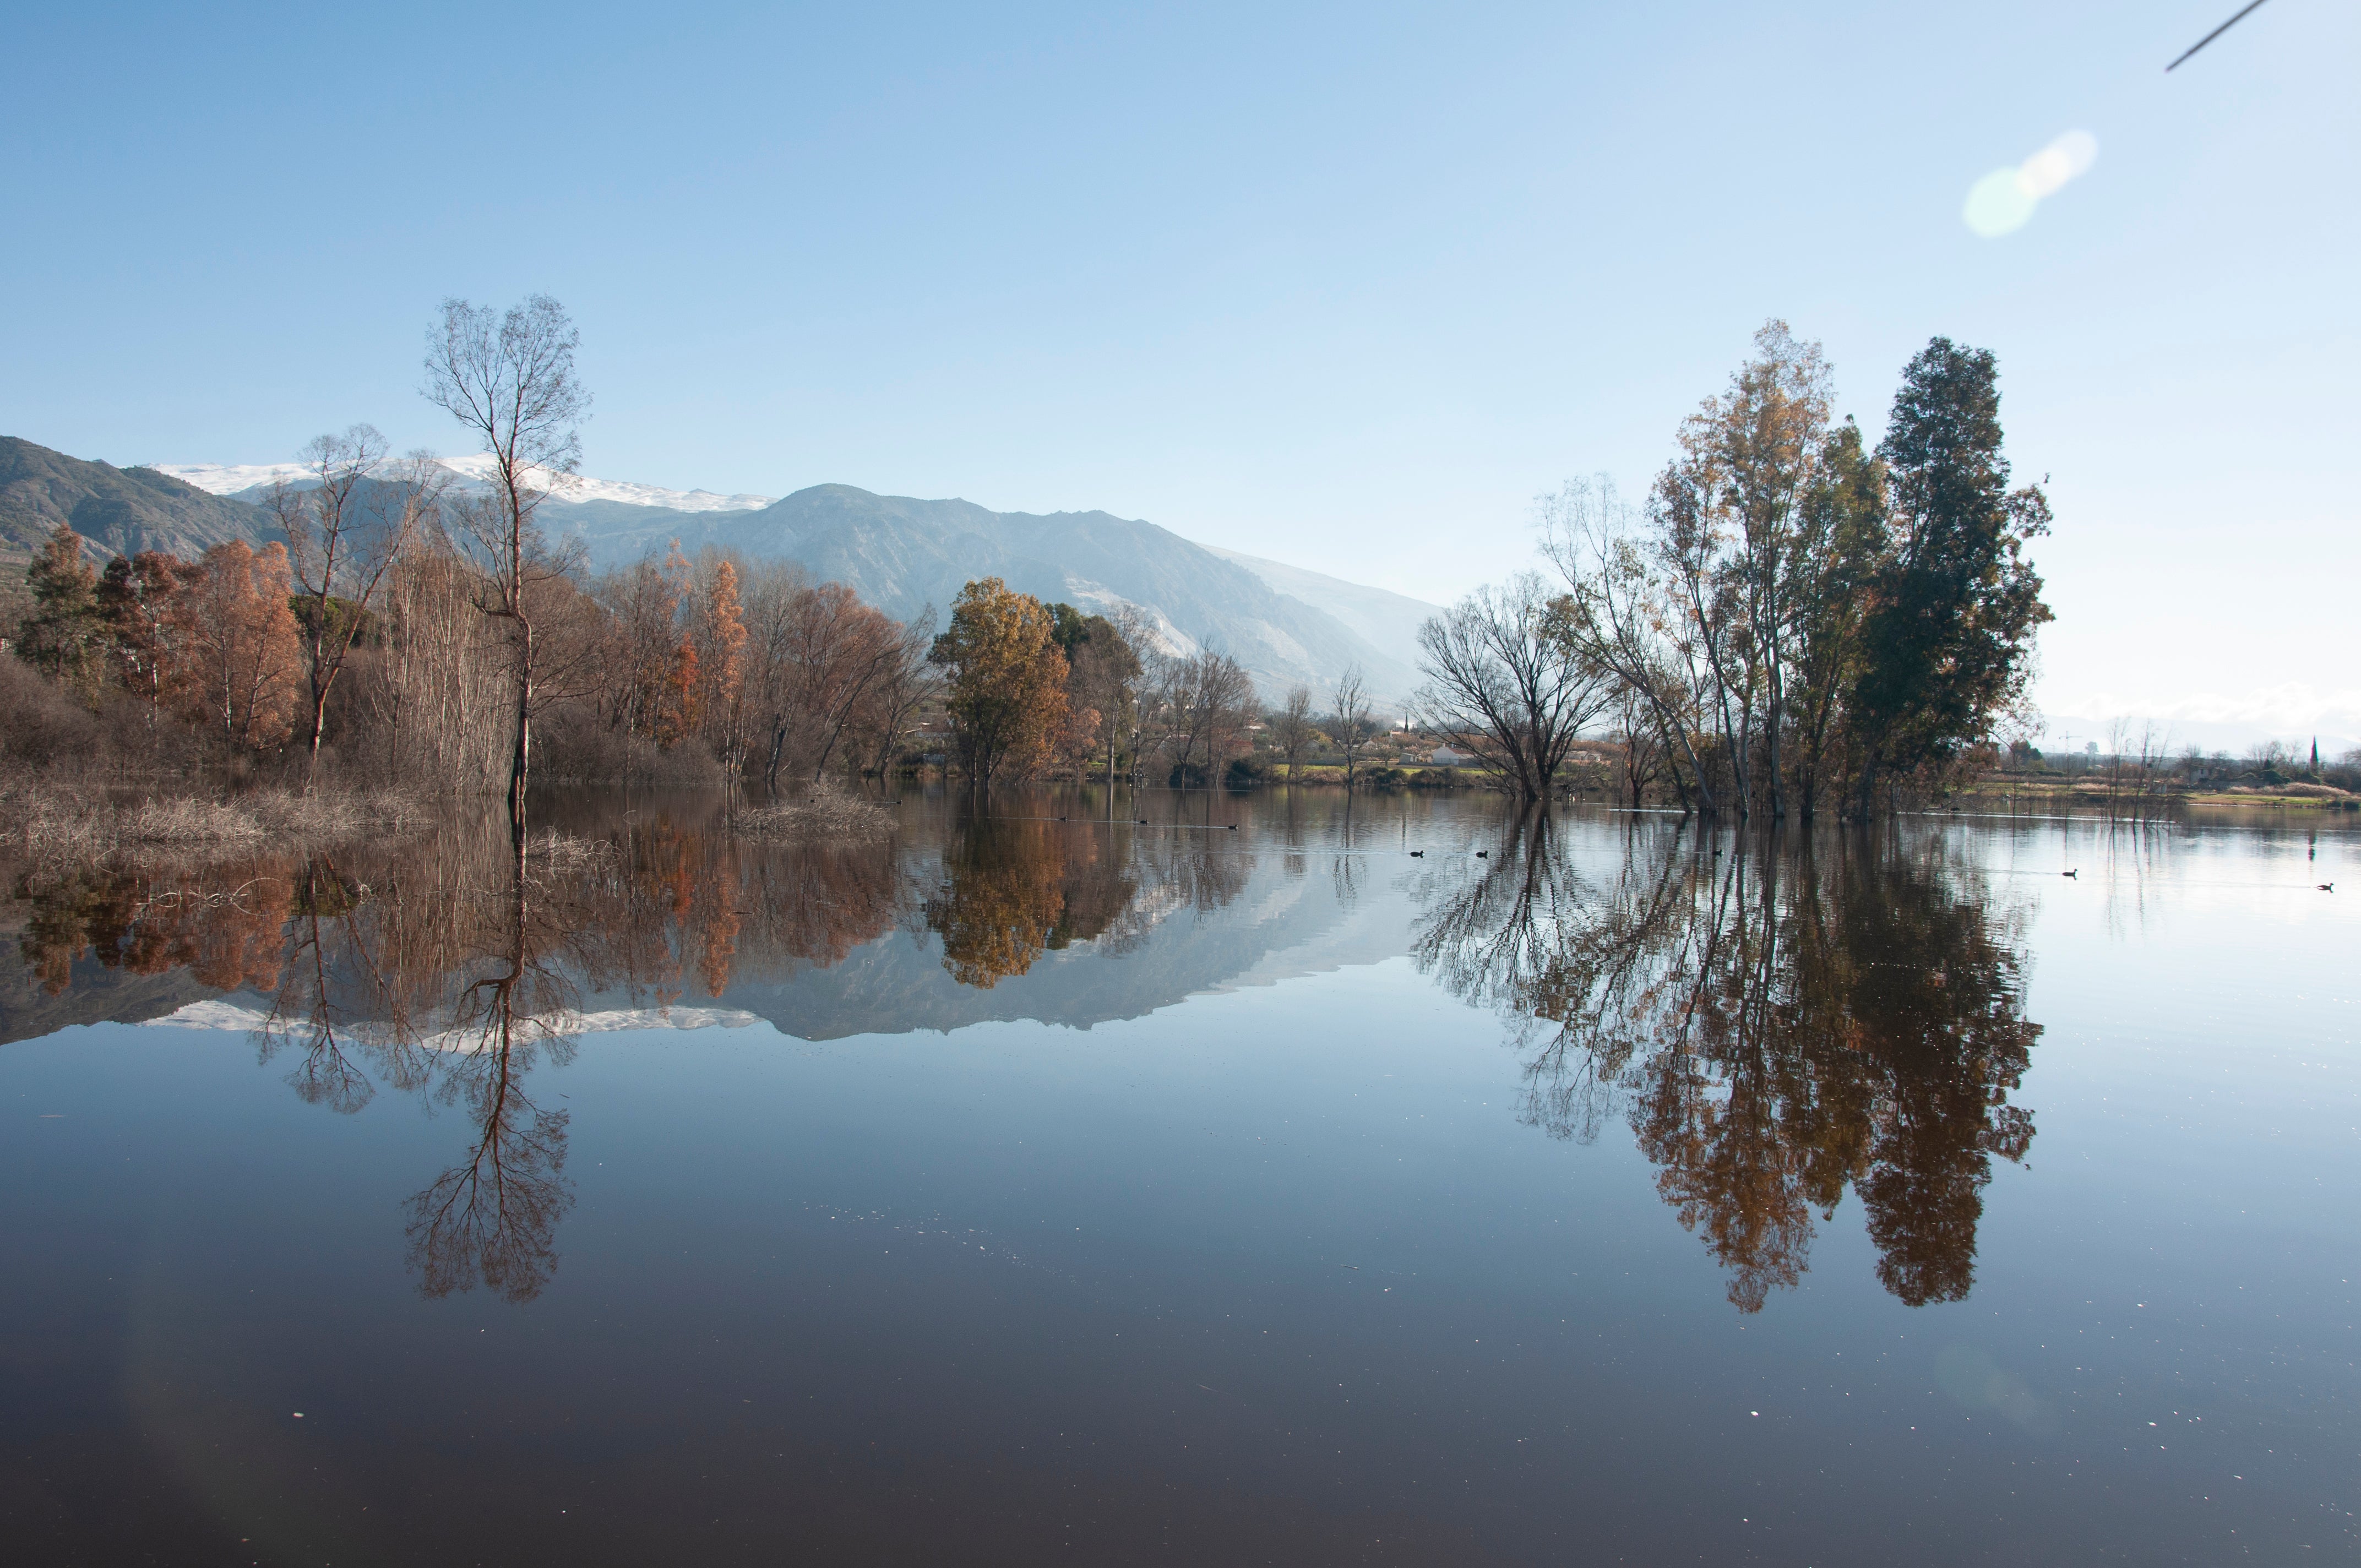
column 1998, row 204
column 2046, row 171
column 2002, row 202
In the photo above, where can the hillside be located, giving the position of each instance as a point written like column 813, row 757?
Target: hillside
column 121, row 510
column 904, row 554
column 1383, row 619
column 1285, row 625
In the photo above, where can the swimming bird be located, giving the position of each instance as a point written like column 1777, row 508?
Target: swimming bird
column 1483, row 854
column 1234, row 826
column 1417, row 854
column 2327, row 887
column 2076, row 872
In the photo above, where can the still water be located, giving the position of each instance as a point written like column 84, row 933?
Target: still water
column 1253, row 1184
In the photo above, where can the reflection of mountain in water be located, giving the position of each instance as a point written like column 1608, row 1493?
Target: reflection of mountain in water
column 1076, row 924
column 1776, row 1024
column 958, row 920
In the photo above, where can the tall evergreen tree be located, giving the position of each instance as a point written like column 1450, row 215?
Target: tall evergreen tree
column 64, row 638
column 1949, row 644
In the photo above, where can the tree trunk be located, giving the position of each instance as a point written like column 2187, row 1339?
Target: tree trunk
column 319, row 691
column 520, row 764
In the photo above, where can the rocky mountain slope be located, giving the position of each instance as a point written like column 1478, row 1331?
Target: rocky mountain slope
column 123, row 510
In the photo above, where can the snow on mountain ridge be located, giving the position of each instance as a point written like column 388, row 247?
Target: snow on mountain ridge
column 234, row 478
column 227, row 479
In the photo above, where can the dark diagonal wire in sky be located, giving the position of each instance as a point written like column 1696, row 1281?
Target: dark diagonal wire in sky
column 2217, row 32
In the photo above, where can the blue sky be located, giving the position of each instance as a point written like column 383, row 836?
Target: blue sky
column 1346, row 286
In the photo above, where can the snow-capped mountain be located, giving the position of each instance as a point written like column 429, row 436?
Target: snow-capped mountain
column 238, row 478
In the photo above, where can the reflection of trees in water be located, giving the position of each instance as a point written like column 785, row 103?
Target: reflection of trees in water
column 1013, row 889
column 226, row 927
column 493, row 1218
column 1775, row 1024
column 449, row 968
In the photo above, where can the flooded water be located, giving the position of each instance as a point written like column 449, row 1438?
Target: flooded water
column 1250, row 1184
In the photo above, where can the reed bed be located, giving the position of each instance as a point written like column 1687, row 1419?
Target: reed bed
column 821, row 814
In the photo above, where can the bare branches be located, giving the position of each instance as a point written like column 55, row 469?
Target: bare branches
column 1349, row 724
column 511, row 382
column 1505, row 685
column 345, row 529
column 1292, row 729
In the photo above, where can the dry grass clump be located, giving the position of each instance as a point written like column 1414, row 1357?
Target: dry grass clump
column 49, row 823
column 2292, row 791
column 822, row 814
column 563, row 852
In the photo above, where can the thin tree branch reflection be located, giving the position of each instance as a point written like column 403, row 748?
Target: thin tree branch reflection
column 492, row 1219
column 1772, row 1034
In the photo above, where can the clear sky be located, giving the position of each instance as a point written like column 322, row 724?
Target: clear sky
column 1344, row 286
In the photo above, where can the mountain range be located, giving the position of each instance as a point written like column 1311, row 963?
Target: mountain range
column 1284, row 624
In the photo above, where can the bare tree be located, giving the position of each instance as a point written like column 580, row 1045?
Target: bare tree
column 1348, row 725
column 1107, row 676
column 345, row 531
column 1205, row 697
column 1616, row 613
column 1291, row 727
column 1643, row 752
column 1504, row 683
column 508, row 379
column 904, row 684
column 1228, row 695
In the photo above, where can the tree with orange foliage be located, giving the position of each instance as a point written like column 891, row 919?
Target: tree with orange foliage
column 717, row 633
column 1008, row 678
column 681, row 705
column 239, row 656
column 680, row 692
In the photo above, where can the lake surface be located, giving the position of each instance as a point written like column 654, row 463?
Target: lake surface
column 1253, row 1184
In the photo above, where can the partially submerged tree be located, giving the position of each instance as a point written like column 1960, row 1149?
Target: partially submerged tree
column 1791, row 606
column 1007, row 695
column 508, row 379
column 1948, row 647
column 1206, row 701
column 1617, row 614
column 1506, row 686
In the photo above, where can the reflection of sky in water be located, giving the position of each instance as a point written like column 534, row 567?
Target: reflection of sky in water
column 1350, row 1196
